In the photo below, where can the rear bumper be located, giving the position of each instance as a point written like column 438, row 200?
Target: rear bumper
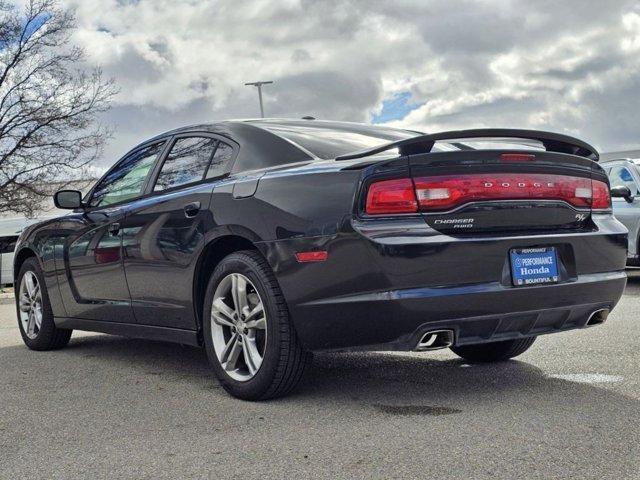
column 384, row 284
column 396, row 320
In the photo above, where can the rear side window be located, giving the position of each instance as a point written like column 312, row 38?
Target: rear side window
column 127, row 180
column 187, row 162
column 221, row 160
column 621, row 176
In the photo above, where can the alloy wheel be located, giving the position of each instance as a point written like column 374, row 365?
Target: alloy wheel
column 238, row 327
column 30, row 304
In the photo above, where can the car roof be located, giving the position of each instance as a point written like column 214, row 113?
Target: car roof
column 273, row 141
column 271, row 124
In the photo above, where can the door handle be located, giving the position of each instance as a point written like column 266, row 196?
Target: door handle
column 114, row 229
column 191, row 209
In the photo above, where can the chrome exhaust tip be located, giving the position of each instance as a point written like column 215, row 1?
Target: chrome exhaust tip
column 435, row 340
column 598, row 317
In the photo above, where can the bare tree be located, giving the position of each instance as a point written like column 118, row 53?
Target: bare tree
column 49, row 131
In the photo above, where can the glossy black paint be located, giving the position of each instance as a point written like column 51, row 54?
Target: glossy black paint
column 96, row 286
column 138, row 268
column 161, row 245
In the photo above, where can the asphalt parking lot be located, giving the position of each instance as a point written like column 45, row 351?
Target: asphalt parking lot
column 110, row 407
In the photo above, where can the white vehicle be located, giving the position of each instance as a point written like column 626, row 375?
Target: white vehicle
column 10, row 228
column 624, row 175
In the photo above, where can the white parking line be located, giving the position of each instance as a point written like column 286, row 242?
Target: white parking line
column 588, row 377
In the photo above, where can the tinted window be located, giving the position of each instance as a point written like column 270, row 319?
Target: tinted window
column 330, row 143
column 325, row 141
column 622, row 176
column 187, row 162
column 126, row 181
column 221, row 159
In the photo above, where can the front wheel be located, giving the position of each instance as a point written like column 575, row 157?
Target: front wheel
column 494, row 351
column 35, row 317
column 250, row 341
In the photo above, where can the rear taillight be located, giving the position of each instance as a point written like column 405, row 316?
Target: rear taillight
column 444, row 193
column 601, row 196
column 391, row 196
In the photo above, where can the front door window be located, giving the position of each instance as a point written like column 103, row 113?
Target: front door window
column 128, row 179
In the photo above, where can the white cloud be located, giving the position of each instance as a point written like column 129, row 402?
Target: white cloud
column 631, row 24
column 569, row 66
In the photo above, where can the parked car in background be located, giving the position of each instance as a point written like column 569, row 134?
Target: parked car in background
column 265, row 240
column 624, row 176
column 7, row 245
column 10, row 229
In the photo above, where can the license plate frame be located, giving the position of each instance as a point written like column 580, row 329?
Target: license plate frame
column 534, row 266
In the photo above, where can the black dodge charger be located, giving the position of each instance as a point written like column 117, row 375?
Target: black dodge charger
column 265, row 240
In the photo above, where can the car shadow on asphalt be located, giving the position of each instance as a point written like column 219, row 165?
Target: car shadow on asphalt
column 372, row 378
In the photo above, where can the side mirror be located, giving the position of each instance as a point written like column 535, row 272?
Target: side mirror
column 68, row 199
column 622, row 191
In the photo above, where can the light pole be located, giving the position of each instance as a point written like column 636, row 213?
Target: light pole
column 259, row 85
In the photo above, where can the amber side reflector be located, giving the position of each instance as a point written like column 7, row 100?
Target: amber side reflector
column 317, row 256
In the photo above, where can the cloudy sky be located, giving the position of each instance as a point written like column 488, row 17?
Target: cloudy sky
column 568, row 66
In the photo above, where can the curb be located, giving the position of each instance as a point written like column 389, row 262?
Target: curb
column 6, row 298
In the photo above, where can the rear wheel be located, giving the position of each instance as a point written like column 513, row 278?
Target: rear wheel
column 35, row 317
column 248, row 335
column 494, row 351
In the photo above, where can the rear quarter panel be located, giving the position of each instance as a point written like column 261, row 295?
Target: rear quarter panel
column 292, row 210
column 308, row 201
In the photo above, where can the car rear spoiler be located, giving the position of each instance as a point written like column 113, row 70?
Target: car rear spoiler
column 553, row 142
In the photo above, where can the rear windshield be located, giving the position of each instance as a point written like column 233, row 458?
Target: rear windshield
column 329, row 143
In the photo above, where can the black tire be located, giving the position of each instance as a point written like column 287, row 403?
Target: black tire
column 284, row 360
column 49, row 337
column 494, row 351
